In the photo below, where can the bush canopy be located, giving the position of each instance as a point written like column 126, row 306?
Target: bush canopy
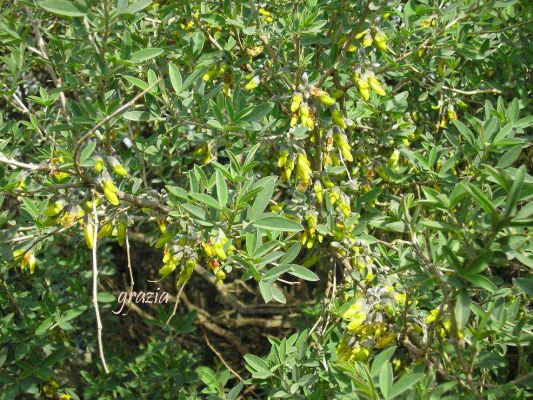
column 311, row 199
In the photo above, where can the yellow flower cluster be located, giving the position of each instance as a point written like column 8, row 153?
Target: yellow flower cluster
column 378, row 38
column 218, row 250
column 27, row 259
column 310, row 234
column 366, row 82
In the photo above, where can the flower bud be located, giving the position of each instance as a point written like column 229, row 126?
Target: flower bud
column 98, row 165
column 88, row 232
column 118, row 168
column 380, row 39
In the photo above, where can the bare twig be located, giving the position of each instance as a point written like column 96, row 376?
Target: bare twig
column 217, row 353
column 95, row 288
column 176, row 303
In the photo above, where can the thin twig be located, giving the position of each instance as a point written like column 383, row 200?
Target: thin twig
column 95, row 287
column 176, row 303
column 217, row 353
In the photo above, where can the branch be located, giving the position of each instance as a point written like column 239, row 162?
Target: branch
column 30, row 167
column 95, row 288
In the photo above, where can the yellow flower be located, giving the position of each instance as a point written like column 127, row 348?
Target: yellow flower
column 283, row 156
column 318, row 191
column 356, row 322
column 105, row 230
column 54, row 209
column 221, row 275
column 338, row 119
column 352, row 311
column 433, row 315
column 394, row 159
column 385, row 340
column 119, row 169
column 254, row 51
column 364, row 88
column 110, row 191
column 375, row 85
column 296, row 101
column 303, row 169
column 367, row 40
column 380, row 39
column 208, row 249
column 88, row 233
column 98, row 165
column 343, row 145
column 327, row 100
column 253, row 83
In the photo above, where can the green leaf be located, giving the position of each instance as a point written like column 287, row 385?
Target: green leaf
column 64, row 8
column 380, row 360
column 462, row 309
column 86, row 153
column 208, row 376
column 205, row 199
column 137, row 82
column 265, row 289
column 145, row 55
column 479, row 264
column 138, row 116
column 222, row 189
column 257, row 366
column 274, row 273
column 3, row 355
column 175, row 78
column 234, row 392
column 480, row 198
column 198, row 40
column 31, row 208
column 398, row 103
column 278, row 295
column 44, row 326
column 134, row 8
column 291, row 254
column 451, row 258
column 515, row 190
column 278, row 224
column 405, row 383
column 259, row 112
column 466, row 132
column 106, row 297
column 178, row 192
column 263, row 197
column 385, row 379
column 303, row 273
column 441, row 226
column 481, row 282
column 509, row 157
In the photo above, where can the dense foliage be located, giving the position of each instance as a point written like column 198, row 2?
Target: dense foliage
column 335, row 194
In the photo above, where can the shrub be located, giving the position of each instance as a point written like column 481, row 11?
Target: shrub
column 349, row 180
